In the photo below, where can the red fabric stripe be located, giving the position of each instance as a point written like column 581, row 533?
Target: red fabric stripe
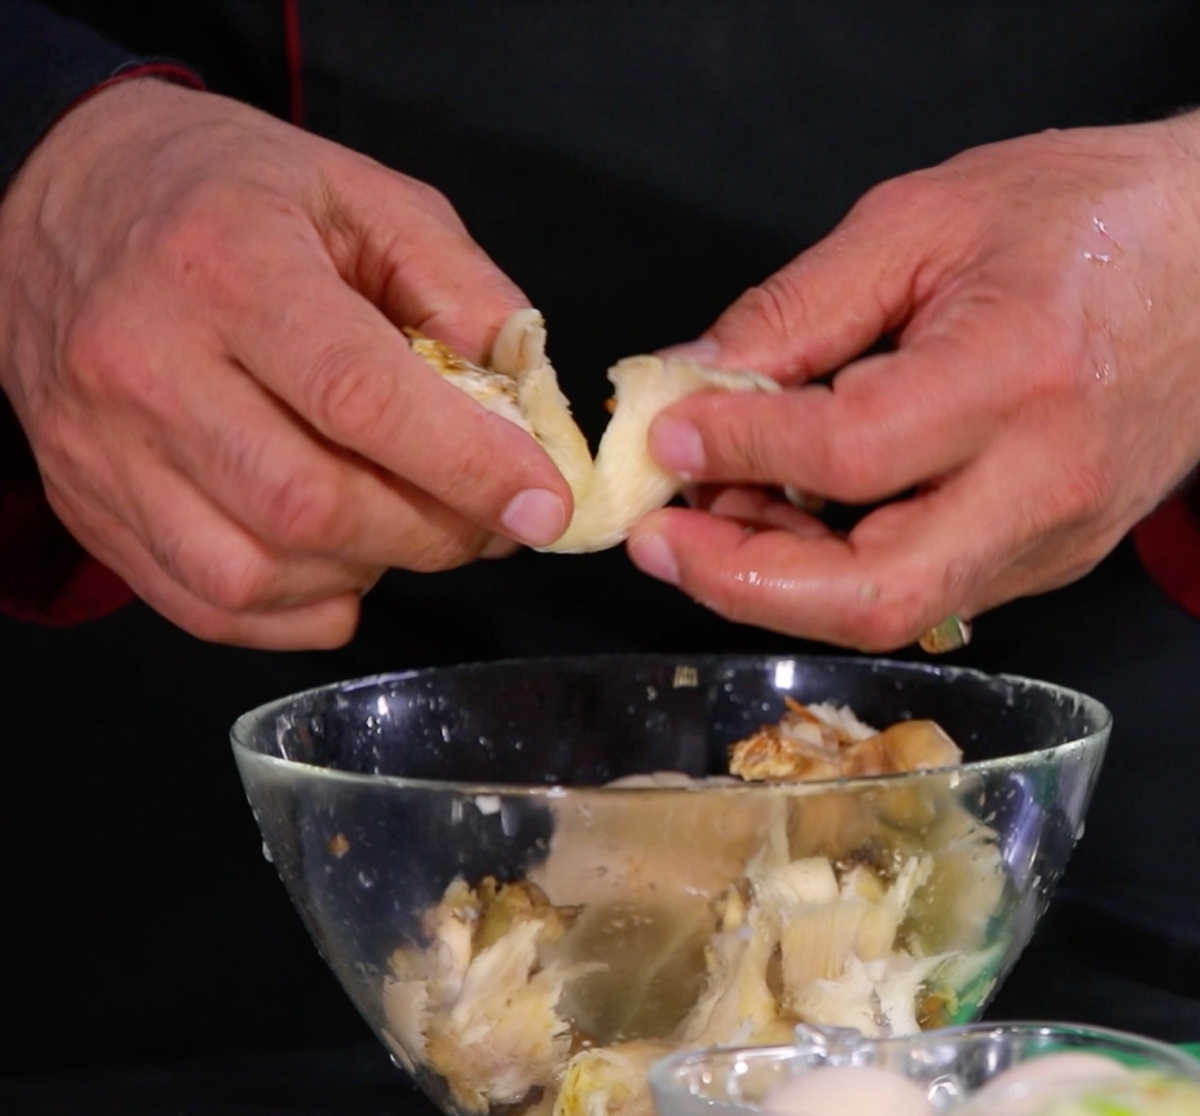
column 291, row 39
column 1168, row 543
column 171, row 71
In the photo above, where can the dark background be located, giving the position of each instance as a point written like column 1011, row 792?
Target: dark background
column 633, row 167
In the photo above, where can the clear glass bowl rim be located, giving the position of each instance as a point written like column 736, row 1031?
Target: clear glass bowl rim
column 241, row 732
column 665, row 1073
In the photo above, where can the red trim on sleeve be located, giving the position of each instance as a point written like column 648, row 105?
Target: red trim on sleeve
column 1168, row 543
column 168, row 71
column 295, row 67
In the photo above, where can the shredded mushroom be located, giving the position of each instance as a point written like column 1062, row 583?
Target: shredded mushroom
column 623, row 483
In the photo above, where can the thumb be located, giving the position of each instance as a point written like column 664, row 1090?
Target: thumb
column 834, row 300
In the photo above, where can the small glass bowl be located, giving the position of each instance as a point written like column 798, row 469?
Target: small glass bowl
column 951, row 1065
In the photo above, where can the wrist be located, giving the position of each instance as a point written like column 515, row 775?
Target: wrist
column 129, row 73
column 120, row 108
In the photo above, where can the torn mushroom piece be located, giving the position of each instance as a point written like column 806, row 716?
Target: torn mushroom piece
column 478, row 1002
column 827, row 742
column 623, row 483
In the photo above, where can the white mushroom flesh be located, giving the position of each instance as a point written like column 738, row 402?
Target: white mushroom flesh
column 623, row 483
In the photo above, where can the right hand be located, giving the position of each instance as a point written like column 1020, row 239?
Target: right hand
column 198, row 331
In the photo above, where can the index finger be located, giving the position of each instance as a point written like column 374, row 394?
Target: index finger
column 839, row 297
column 886, row 422
column 347, row 370
column 400, row 243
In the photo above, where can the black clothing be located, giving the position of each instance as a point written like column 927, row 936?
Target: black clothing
column 47, row 63
column 634, row 167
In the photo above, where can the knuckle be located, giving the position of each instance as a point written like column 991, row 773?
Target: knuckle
column 1086, row 486
column 1061, row 368
column 232, row 579
column 482, row 472
column 214, row 626
column 302, row 509
column 235, row 583
column 210, row 240
column 369, row 188
column 769, row 310
column 897, row 618
column 336, row 632
column 887, row 628
column 844, row 459
column 346, row 397
column 60, row 445
column 902, row 194
column 96, row 350
column 206, row 624
column 431, row 199
column 238, row 453
column 848, row 457
column 745, row 451
column 444, row 550
column 167, row 550
column 193, row 234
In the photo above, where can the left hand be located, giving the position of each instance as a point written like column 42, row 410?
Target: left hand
column 1044, row 394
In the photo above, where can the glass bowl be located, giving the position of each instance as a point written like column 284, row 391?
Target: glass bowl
column 950, row 1066
column 519, row 934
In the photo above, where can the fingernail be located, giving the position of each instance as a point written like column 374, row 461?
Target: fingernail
column 676, row 445
column 703, row 350
column 536, row 517
column 652, row 554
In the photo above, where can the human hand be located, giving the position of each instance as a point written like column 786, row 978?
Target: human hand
column 198, row 331
column 1043, row 395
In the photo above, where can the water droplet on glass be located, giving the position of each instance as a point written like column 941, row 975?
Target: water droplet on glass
column 267, row 854
column 367, row 878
